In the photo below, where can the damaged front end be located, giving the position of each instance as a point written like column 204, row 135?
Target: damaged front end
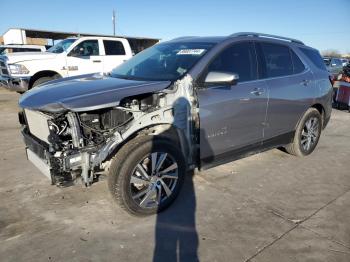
column 71, row 144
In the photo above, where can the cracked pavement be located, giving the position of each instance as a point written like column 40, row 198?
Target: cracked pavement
column 267, row 207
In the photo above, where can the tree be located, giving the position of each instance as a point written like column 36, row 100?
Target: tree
column 331, row 52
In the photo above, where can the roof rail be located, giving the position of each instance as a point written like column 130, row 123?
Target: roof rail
column 267, row 36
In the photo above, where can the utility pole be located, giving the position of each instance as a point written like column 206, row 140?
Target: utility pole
column 113, row 20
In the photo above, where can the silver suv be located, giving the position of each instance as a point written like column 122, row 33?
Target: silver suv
column 193, row 102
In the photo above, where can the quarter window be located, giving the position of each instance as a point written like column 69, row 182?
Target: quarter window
column 240, row 59
column 113, row 47
column 278, row 60
column 315, row 57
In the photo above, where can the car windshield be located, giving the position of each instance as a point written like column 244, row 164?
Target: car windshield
column 61, row 46
column 168, row 61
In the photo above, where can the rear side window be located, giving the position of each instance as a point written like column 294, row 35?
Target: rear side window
column 278, row 60
column 315, row 57
column 298, row 66
column 113, row 47
column 239, row 59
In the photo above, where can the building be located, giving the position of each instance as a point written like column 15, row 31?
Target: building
column 44, row 37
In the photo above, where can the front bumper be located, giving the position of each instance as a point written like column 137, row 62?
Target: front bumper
column 19, row 84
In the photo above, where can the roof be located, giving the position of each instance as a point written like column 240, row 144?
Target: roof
column 57, row 35
column 217, row 39
column 203, row 39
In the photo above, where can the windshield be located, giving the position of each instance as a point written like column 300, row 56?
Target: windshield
column 61, row 46
column 168, row 61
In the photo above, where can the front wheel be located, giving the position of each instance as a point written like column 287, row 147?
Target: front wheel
column 44, row 79
column 147, row 174
column 307, row 134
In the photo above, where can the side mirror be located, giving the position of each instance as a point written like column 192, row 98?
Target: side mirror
column 216, row 77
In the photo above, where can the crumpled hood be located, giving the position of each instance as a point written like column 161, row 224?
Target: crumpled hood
column 85, row 93
column 29, row 56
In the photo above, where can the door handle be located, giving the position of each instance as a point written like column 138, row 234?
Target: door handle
column 305, row 82
column 96, row 61
column 257, row 91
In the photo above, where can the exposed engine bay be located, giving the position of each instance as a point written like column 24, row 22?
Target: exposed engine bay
column 80, row 144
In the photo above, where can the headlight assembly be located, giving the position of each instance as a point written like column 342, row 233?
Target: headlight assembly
column 18, row 69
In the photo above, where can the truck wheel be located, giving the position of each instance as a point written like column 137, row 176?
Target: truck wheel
column 307, row 134
column 44, row 79
column 147, row 174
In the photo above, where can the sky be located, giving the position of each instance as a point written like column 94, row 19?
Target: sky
column 322, row 24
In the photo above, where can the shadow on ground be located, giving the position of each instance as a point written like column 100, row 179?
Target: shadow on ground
column 175, row 233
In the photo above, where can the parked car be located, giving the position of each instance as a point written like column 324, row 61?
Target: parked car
column 193, row 102
column 344, row 61
column 334, row 65
column 8, row 49
column 70, row 57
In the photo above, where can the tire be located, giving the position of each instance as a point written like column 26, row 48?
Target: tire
column 44, row 79
column 305, row 139
column 138, row 193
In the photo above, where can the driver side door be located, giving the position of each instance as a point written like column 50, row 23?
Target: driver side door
column 84, row 58
column 232, row 117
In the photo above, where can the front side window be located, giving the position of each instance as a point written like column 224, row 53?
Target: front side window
column 86, row 48
column 278, row 60
column 61, row 46
column 239, row 59
column 113, row 47
column 168, row 61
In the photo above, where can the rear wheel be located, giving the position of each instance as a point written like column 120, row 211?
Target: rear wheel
column 307, row 134
column 146, row 175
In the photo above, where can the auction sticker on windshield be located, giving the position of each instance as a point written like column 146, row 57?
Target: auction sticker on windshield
column 191, row 52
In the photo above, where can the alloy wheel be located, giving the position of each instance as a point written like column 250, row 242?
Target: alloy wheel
column 154, row 179
column 310, row 133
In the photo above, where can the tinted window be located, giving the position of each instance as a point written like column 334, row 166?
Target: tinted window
column 86, row 48
column 337, row 62
column 239, row 59
column 315, row 57
column 113, row 47
column 298, row 66
column 277, row 60
column 25, row 50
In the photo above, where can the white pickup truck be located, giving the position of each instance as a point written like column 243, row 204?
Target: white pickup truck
column 70, row 57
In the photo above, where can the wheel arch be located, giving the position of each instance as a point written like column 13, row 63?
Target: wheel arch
column 321, row 110
column 43, row 73
column 168, row 131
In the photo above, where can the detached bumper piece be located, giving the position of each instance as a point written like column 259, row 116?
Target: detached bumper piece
column 38, row 153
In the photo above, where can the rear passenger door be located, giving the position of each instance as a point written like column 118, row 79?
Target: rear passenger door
column 291, row 88
column 115, row 54
column 232, row 116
